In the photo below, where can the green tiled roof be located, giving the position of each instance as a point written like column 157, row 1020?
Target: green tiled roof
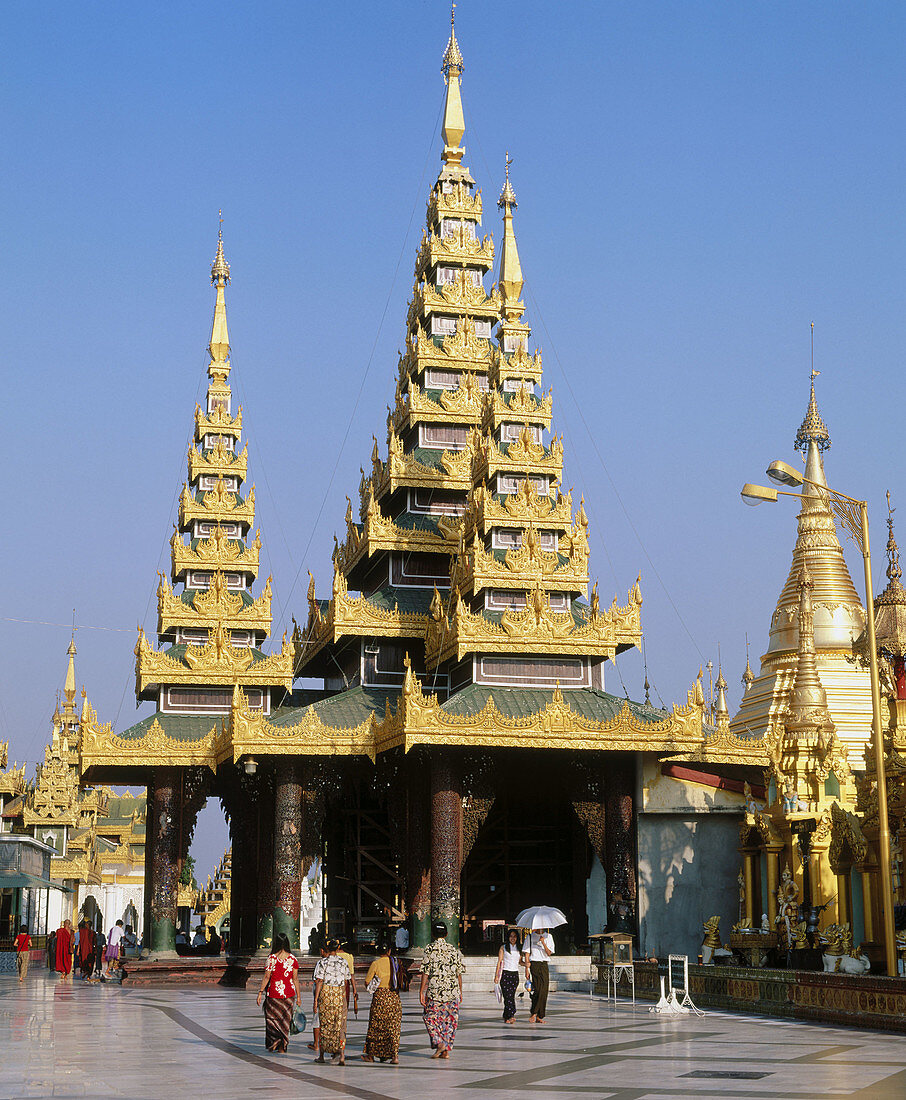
column 518, row 702
column 194, row 543
column 403, row 597
column 342, row 711
column 410, row 521
column 181, row 727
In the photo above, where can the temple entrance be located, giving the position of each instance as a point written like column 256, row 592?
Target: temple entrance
column 529, row 851
column 363, row 862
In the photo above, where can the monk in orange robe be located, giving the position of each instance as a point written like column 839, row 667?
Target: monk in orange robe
column 64, row 950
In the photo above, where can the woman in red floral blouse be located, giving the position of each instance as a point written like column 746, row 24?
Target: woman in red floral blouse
column 281, row 986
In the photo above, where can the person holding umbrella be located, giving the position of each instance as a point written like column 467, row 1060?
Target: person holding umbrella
column 537, row 948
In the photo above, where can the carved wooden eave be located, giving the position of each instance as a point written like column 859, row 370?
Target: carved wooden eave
column 722, row 747
column 219, row 505
column 186, row 896
column 523, row 568
column 521, row 407
column 460, row 406
column 535, row 629
column 84, row 870
column 454, row 471
column 253, row 735
column 420, row 719
column 218, row 462
column 12, row 780
column 379, row 534
column 454, row 204
column 517, row 364
column 101, row 747
column 212, row 607
column 216, row 663
column 757, row 829
column 218, row 422
column 524, row 507
column 523, row 456
column 454, row 248
column 220, row 551
column 460, row 296
column 354, row 616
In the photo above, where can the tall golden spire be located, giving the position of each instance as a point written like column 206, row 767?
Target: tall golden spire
column 511, row 281
column 837, row 613
column 808, row 699
column 890, row 606
column 219, row 347
column 454, row 121
column 69, row 687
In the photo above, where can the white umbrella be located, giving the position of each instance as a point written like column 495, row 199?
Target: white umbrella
column 540, row 916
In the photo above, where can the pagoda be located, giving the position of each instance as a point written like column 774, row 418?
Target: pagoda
column 839, row 617
column 454, row 745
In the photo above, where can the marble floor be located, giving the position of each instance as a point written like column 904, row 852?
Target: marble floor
column 76, row 1041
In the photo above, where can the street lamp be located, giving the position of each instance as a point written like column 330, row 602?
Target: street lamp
column 852, row 515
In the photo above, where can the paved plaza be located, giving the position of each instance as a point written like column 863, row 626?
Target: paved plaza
column 76, row 1041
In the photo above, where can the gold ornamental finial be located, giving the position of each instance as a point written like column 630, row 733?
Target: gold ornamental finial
column 452, row 61
column 890, row 606
column 510, row 281
column 812, row 429
column 748, row 677
column 219, row 347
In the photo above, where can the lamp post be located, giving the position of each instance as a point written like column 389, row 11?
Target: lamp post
column 852, row 515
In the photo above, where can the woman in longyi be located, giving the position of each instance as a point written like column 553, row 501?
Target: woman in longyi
column 282, row 989
column 385, row 1019
column 331, row 975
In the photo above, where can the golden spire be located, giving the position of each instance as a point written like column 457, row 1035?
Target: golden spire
column 808, row 699
column 219, row 347
column 748, row 676
column 69, row 687
column 720, row 707
column 511, row 281
column 890, row 606
column 454, row 121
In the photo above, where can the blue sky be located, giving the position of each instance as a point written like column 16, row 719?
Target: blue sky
column 696, row 182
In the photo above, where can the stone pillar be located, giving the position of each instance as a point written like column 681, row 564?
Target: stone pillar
column 773, row 884
column 446, row 840
column 165, row 831
column 418, row 853
column 243, row 873
column 264, row 891
column 619, row 783
column 287, row 850
column 149, row 863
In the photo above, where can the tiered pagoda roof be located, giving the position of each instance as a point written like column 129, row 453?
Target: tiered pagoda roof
column 210, row 627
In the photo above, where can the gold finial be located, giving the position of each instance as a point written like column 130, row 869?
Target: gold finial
column 69, row 687
column 812, row 429
column 452, row 64
column 220, row 269
column 507, row 195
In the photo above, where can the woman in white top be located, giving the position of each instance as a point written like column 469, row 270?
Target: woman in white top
column 507, row 975
column 537, row 949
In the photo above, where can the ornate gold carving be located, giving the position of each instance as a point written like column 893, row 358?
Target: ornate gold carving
column 404, row 470
column 518, row 364
column 454, row 248
column 523, row 455
column 526, row 567
column 219, row 505
column 213, row 606
column 354, row 616
column 378, row 533
column 458, row 203
column 218, row 662
column 218, row 462
column 460, row 406
column 523, row 407
column 218, row 422
column 460, row 296
column 253, row 735
column 101, row 746
column 535, row 629
column 220, row 551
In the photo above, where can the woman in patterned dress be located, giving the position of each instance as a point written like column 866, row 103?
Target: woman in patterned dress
column 441, row 990
column 385, row 1019
column 281, row 984
column 331, row 975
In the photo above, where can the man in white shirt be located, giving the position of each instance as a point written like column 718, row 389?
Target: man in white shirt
column 537, row 948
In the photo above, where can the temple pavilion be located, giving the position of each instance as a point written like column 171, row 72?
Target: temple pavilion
column 452, row 748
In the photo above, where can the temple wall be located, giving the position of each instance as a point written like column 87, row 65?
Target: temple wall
column 688, row 864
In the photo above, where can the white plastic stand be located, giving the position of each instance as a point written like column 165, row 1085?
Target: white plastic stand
column 615, row 971
column 684, row 1004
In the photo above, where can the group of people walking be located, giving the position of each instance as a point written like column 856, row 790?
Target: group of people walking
column 95, row 955
column 440, row 994
column 532, row 957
